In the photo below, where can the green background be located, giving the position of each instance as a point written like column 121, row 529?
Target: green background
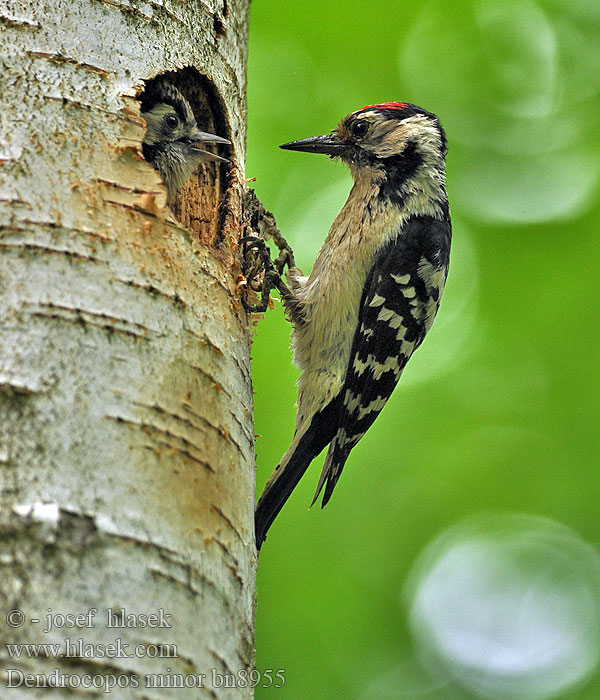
column 498, row 411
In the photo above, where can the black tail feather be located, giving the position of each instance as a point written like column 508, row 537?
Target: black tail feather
column 319, row 434
column 275, row 495
column 333, row 476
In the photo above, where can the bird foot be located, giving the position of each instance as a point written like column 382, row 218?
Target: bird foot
column 286, row 254
column 263, row 273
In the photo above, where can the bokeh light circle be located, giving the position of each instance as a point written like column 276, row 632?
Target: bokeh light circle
column 517, row 118
column 508, row 607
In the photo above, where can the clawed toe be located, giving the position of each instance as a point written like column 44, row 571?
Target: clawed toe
column 257, row 264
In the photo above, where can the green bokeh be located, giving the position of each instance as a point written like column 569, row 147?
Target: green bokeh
column 499, row 409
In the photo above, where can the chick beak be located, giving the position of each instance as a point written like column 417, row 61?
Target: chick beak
column 199, row 138
column 328, row 143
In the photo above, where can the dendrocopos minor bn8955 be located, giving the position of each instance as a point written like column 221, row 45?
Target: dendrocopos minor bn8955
column 374, row 290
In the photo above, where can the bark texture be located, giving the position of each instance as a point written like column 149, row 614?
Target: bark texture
column 126, row 436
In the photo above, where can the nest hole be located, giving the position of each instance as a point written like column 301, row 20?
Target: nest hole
column 200, row 204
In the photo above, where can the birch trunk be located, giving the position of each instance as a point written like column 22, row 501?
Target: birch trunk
column 126, row 436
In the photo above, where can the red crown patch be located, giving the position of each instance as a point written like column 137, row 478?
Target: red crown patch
column 387, row 105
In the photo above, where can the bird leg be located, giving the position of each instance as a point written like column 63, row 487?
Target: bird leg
column 257, row 262
column 286, row 254
column 262, row 273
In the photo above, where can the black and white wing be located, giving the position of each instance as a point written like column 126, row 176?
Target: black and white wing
column 399, row 303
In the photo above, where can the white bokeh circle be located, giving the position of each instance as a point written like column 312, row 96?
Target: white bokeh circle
column 508, row 607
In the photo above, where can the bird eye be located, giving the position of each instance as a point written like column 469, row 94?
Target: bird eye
column 171, row 121
column 360, row 128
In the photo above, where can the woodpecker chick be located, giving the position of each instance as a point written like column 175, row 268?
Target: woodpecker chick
column 373, row 292
column 173, row 143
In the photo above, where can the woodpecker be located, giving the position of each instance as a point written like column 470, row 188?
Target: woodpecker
column 173, row 144
column 373, row 292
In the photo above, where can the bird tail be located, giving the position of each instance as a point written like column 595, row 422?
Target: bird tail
column 332, row 469
column 305, row 447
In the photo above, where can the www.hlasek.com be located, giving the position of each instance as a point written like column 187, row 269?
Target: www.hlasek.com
column 110, row 681
column 79, row 649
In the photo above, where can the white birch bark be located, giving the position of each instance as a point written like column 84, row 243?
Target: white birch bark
column 126, row 435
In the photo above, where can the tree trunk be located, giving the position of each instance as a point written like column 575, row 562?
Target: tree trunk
column 126, row 435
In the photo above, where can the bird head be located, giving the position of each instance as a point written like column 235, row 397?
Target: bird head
column 173, row 143
column 394, row 137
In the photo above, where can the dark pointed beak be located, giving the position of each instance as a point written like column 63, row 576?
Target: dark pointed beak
column 199, row 138
column 207, row 155
column 198, row 135
column 329, row 144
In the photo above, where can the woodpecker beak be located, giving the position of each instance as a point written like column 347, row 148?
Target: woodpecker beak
column 199, row 138
column 207, row 155
column 206, row 137
column 329, row 144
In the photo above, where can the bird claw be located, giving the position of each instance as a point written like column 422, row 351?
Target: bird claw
column 261, row 271
column 252, row 267
column 286, row 254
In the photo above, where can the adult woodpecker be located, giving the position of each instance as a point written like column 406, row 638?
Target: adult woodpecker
column 374, row 290
column 173, row 143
